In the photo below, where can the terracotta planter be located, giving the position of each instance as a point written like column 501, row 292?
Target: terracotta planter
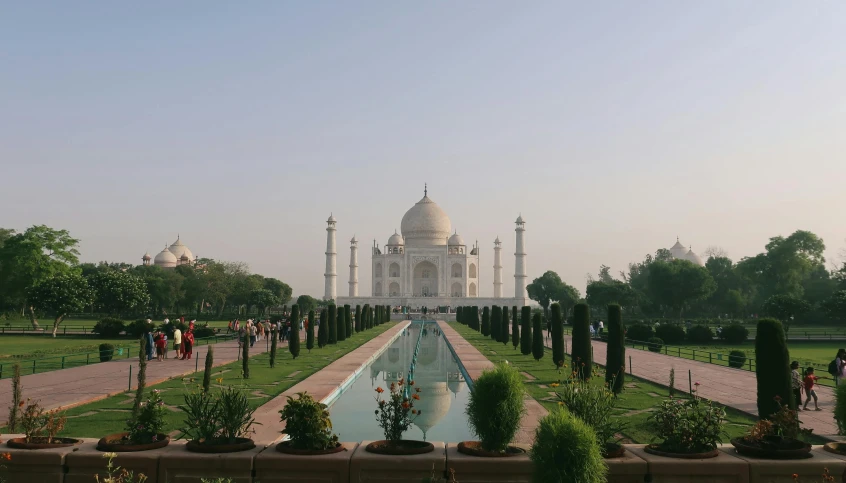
column 613, row 450
column 836, row 448
column 240, row 444
column 400, row 448
column 657, row 451
column 116, row 443
column 41, row 443
column 285, row 447
column 474, row 448
column 785, row 449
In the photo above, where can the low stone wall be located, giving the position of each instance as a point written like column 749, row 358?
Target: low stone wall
column 355, row 465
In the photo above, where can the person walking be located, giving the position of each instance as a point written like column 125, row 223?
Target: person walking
column 188, row 344
column 177, row 342
column 810, row 381
column 796, row 383
column 148, row 336
column 164, row 338
column 253, row 333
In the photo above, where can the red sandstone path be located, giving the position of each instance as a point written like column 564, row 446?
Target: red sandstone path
column 731, row 387
column 78, row 385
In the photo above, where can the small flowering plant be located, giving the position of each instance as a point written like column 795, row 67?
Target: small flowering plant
column 148, row 424
column 36, row 421
column 396, row 413
column 689, row 426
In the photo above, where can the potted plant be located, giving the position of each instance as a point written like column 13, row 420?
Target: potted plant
column 689, row 429
column 217, row 422
column 594, row 404
column 777, row 437
column 40, row 428
column 565, row 450
column 308, row 425
column 494, row 411
column 394, row 415
column 144, row 431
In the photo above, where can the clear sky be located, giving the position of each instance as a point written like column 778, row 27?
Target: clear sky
column 613, row 127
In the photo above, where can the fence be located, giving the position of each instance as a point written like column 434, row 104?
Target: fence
column 66, row 361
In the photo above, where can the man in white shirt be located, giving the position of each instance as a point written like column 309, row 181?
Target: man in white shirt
column 177, row 342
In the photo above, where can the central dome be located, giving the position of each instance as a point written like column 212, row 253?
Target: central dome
column 425, row 224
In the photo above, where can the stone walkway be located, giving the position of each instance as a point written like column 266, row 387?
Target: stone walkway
column 474, row 363
column 726, row 385
column 79, row 385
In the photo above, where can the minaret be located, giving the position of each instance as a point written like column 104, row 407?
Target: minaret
column 520, row 260
column 497, row 269
column 353, row 267
column 331, row 275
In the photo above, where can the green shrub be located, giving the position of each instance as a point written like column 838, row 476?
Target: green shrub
column 307, row 423
column 688, row 426
column 840, row 409
column 655, row 344
column 149, row 421
column 737, row 358
column 671, row 334
column 772, row 368
column 537, row 337
column 496, row 320
column 137, row 329
column 615, row 362
column 486, row 321
column 526, row 331
column 294, row 339
column 496, row 406
column 639, row 332
column 504, row 335
column 580, row 355
column 108, row 327
column 699, row 334
column 106, row 352
column 734, row 334
column 565, row 450
column 209, row 365
column 203, row 332
column 594, row 404
column 557, row 333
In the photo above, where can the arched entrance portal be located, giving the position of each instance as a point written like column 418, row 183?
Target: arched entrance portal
column 425, row 280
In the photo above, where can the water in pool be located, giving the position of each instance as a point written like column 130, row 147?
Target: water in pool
column 442, row 400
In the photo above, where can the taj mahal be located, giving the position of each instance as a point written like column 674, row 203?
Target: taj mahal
column 427, row 264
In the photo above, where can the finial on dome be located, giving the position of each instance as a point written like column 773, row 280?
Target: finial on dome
column 425, row 189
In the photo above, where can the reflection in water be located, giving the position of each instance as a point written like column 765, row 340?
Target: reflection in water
column 443, row 397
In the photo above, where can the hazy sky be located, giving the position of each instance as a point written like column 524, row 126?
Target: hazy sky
column 612, row 127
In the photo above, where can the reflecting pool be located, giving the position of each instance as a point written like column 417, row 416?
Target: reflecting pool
column 443, row 396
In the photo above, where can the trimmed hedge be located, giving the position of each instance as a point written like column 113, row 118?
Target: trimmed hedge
column 655, row 344
column 734, row 334
column 772, row 368
column 737, row 358
column 671, row 334
column 615, row 362
column 699, row 334
column 639, row 332
column 106, row 352
column 109, row 327
column 580, row 354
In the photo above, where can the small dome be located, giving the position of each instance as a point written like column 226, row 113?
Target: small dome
column 456, row 240
column 184, row 257
column 331, row 218
column 178, row 249
column 396, row 239
column 694, row 258
column 146, row 257
column 165, row 259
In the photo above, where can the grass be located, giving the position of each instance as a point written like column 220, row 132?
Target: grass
column 109, row 416
column 635, row 403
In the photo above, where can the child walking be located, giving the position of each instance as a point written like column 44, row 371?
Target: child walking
column 810, row 380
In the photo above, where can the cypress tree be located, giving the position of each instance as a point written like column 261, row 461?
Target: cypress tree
column 580, row 353
column 772, row 368
column 476, row 325
column 294, row 342
column 342, row 324
column 272, row 347
column 245, row 355
column 615, row 362
column 557, row 330
column 358, row 318
column 323, row 329
column 17, row 398
column 515, row 329
column 377, row 321
column 333, row 324
column 514, row 317
column 309, row 332
column 207, row 370
column 526, row 331
column 348, row 320
column 504, row 336
column 537, row 337
column 142, row 375
column 486, row 321
column 388, row 313
column 496, row 320
column 458, row 315
column 365, row 321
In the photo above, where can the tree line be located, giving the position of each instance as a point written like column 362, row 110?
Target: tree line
column 789, row 280
column 40, row 275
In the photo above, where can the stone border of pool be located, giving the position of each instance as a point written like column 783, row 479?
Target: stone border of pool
column 473, row 363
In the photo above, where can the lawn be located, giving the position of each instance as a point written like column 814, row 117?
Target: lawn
column 108, row 416
column 635, row 403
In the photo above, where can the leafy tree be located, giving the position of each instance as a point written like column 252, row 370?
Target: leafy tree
column 785, row 308
column 526, row 331
column 549, row 288
column 119, row 292
column 604, row 293
column 537, row 337
column 28, row 258
column 306, row 303
column 61, row 294
column 678, row 283
column 164, row 286
column 262, row 299
column 835, row 306
column 294, row 339
column 310, row 331
column 280, row 289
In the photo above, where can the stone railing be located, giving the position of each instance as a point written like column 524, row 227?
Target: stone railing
column 174, row 464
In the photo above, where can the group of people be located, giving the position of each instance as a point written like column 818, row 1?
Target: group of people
column 157, row 339
column 806, row 381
